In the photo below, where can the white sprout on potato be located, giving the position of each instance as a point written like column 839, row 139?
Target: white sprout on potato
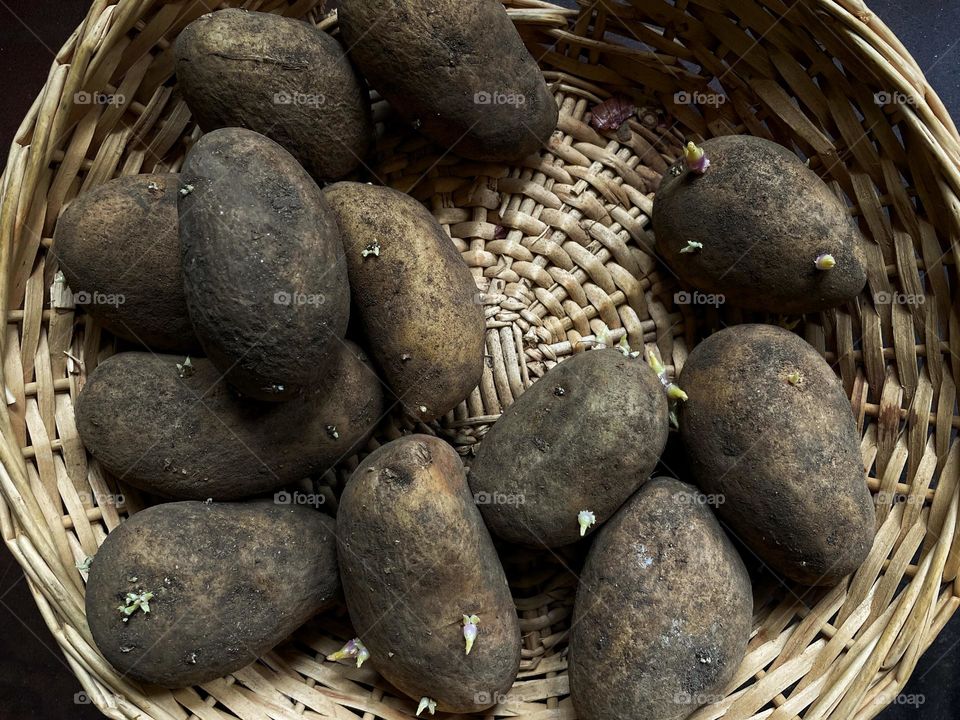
column 186, row 190
column 426, row 704
column 695, row 158
column 825, row 262
column 586, row 519
column 794, row 378
column 84, row 565
column 691, row 246
column 332, row 432
column 185, row 369
column 673, row 390
column 352, row 649
column 470, row 630
column 372, row 249
column 134, row 602
column 624, row 347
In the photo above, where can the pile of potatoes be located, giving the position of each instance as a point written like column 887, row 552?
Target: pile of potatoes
column 275, row 312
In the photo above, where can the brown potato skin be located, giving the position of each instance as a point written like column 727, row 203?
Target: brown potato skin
column 408, row 529
column 430, row 58
column 149, row 426
column 763, row 217
column 255, row 228
column 663, row 610
column 120, row 238
column 236, row 68
column 785, row 457
column 585, row 446
column 415, row 302
column 230, row 581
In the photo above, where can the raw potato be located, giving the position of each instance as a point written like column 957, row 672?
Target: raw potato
column 229, row 582
column 263, row 266
column 462, row 76
column 414, row 297
column 281, row 77
column 118, row 249
column 583, row 437
column 768, row 427
column 415, row 558
column 663, row 610
column 192, row 437
column 763, row 218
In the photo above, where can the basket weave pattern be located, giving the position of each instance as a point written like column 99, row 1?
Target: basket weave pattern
column 560, row 249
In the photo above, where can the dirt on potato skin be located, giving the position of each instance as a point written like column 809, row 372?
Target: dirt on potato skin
column 264, row 270
column 144, row 422
column 415, row 300
column 281, row 77
column 120, row 239
column 409, row 529
column 663, row 612
column 451, row 70
column 230, row 581
column 785, row 457
column 763, row 217
column 559, row 449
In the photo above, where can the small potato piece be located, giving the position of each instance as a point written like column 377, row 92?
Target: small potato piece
column 118, row 249
column 583, row 437
column 281, row 77
column 762, row 218
column 414, row 297
column 460, row 73
column 263, row 266
column 192, row 437
column 415, row 558
column 663, row 610
column 768, row 427
column 227, row 582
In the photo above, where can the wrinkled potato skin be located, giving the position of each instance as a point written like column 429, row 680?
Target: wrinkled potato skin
column 121, row 238
column 146, row 424
column 562, row 450
column 785, row 457
column 235, row 68
column 254, row 226
column 415, row 302
column 430, row 58
column 763, row 217
column 230, row 581
column 409, row 529
column 663, row 611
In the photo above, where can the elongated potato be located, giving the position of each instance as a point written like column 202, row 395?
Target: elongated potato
column 413, row 295
column 192, row 437
column 263, row 266
column 459, row 73
column 663, row 610
column 768, row 427
column 281, row 77
column 415, row 561
column 185, row 592
column 583, row 438
column 118, row 249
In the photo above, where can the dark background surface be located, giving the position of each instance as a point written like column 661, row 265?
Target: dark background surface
column 35, row 681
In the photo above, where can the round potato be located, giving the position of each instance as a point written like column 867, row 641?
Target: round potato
column 768, row 428
column 464, row 79
column 118, row 250
column 186, row 592
column 414, row 298
column 582, row 438
column 663, row 611
column 281, row 77
column 184, row 433
column 417, row 564
column 263, row 266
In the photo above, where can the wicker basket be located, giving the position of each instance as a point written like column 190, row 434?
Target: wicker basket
column 559, row 247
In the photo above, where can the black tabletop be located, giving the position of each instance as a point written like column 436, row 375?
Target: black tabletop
column 35, row 681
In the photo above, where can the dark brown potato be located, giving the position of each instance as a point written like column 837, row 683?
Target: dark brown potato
column 763, row 218
column 768, row 427
column 118, row 249
column 413, row 296
column 229, row 581
column 194, row 438
column 281, row 77
column 459, row 73
column 663, row 610
column 415, row 558
column 583, row 437
column 263, row 266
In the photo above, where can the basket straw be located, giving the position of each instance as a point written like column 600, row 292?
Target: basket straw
column 560, row 248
